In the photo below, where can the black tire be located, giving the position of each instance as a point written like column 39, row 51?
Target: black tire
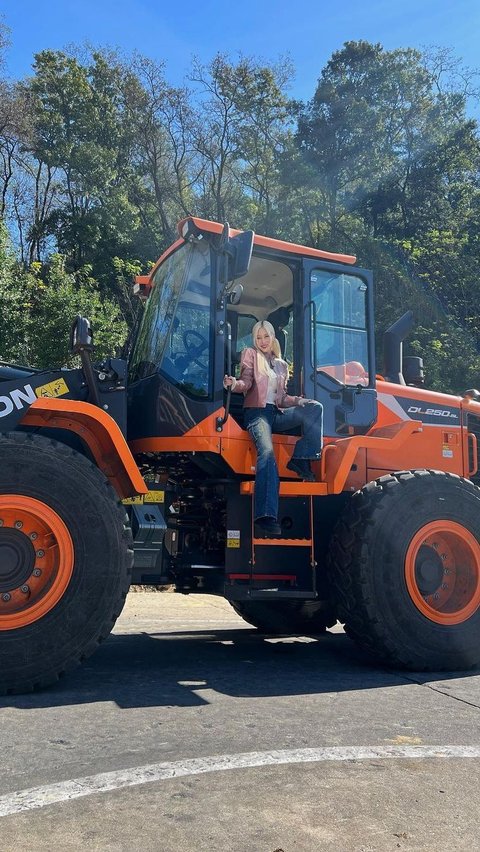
column 287, row 617
column 52, row 478
column 396, row 596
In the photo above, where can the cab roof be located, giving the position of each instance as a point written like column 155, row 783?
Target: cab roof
column 268, row 242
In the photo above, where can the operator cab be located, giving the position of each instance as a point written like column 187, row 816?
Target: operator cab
column 322, row 315
column 193, row 330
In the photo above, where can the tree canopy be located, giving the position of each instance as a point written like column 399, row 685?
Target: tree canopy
column 100, row 156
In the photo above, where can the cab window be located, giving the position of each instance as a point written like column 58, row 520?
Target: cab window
column 175, row 335
column 186, row 359
column 339, row 332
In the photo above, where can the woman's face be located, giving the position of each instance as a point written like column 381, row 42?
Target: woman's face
column 263, row 340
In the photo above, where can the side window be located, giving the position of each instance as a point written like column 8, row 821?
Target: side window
column 187, row 356
column 339, row 329
column 244, row 332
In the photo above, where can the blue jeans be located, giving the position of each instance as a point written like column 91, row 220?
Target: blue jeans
column 261, row 423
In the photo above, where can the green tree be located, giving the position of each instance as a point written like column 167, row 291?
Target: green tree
column 39, row 305
column 239, row 132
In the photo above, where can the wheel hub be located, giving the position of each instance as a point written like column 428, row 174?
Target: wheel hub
column 17, row 559
column 442, row 572
column 36, row 560
column 428, row 570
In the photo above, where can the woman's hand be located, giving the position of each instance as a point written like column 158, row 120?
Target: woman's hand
column 302, row 401
column 229, row 382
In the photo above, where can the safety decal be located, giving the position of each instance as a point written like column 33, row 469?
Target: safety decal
column 149, row 497
column 233, row 538
column 154, row 497
column 53, row 389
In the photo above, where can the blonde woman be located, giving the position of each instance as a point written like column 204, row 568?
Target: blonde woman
column 269, row 408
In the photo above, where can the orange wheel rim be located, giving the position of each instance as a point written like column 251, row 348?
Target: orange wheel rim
column 442, row 572
column 36, row 560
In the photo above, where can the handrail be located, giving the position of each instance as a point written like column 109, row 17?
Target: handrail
column 222, row 420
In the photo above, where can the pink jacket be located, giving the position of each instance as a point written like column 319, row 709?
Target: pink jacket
column 254, row 383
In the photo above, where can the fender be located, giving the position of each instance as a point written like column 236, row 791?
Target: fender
column 101, row 434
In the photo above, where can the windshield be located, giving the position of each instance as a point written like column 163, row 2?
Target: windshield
column 175, row 333
column 339, row 326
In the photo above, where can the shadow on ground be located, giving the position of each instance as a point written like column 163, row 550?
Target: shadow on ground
column 172, row 669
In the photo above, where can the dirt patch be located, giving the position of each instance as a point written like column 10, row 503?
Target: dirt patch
column 139, row 588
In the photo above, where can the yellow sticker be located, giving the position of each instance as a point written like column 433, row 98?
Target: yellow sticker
column 154, row 497
column 150, row 497
column 53, row 389
column 233, row 538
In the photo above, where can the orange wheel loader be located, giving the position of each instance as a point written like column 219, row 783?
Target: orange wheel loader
column 138, row 469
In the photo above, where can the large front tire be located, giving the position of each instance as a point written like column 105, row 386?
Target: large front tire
column 405, row 563
column 65, row 560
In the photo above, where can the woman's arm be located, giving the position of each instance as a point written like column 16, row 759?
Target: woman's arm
column 286, row 400
column 245, row 382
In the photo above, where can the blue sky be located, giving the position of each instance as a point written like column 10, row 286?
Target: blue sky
column 308, row 31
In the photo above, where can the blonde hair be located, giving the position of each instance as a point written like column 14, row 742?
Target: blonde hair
column 271, row 331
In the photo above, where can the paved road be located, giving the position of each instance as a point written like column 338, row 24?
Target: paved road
column 189, row 731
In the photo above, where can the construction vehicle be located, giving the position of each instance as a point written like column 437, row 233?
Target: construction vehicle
column 386, row 540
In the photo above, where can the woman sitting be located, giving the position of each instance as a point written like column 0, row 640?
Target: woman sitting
column 269, row 408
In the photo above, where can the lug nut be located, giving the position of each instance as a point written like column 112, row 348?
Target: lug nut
column 1, row 523
column 40, row 553
column 24, row 589
column 36, row 572
column 33, row 536
column 6, row 597
column 19, row 525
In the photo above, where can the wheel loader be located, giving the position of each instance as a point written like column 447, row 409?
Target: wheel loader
column 139, row 469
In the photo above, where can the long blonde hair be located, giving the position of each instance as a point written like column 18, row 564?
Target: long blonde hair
column 275, row 344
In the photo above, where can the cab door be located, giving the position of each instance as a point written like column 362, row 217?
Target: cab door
column 338, row 340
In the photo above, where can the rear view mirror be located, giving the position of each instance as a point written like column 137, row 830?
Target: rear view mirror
column 242, row 246
column 237, row 252
column 234, row 295
column 81, row 336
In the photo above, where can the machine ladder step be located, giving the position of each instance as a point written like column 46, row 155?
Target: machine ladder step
column 273, row 594
column 284, row 542
column 295, row 488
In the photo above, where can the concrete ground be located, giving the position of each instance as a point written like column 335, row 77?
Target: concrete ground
column 189, row 731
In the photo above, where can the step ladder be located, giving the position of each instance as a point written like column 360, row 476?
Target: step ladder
column 263, row 580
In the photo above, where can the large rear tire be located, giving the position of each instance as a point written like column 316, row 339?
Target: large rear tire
column 65, row 560
column 405, row 564
column 287, row 617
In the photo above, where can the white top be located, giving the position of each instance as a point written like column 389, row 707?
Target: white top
column 272, row 386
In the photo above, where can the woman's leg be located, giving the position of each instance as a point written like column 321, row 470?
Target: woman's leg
column 258, row 421
column 310, row 418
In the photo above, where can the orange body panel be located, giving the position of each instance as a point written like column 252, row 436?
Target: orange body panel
column 396, row 442
column 390, row 412
column 101, row 434
column 440, row 447
column 233, row 444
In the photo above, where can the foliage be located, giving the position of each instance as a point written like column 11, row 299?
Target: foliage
column 100, row 155
column 39, row 305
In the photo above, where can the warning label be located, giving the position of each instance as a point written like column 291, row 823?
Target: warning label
column 53, row 389
column 233, row 538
